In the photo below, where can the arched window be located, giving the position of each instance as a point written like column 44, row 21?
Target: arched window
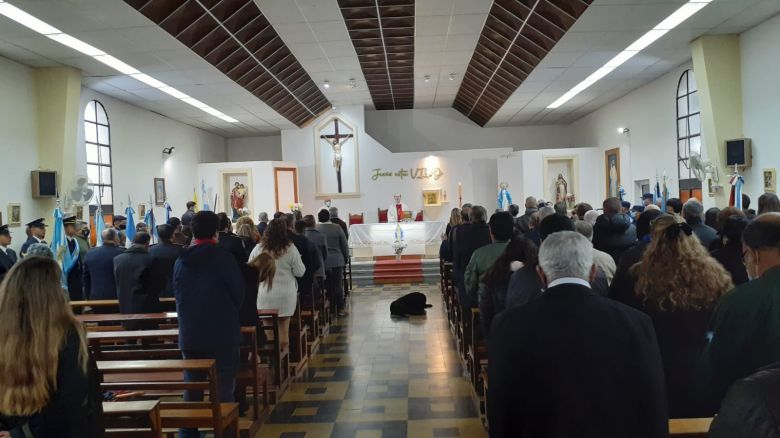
column 97, row 141
column 688, row 129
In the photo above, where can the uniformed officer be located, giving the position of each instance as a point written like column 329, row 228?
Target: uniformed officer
column 7, row 255
column 74, row 272
column 37, row 229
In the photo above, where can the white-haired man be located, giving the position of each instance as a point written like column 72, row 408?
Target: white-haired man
column 572, row 363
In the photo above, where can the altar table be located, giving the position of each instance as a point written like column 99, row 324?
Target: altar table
column 371, row 240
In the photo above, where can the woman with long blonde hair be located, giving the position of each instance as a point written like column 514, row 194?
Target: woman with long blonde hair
column 677, row 284
column 48, row 385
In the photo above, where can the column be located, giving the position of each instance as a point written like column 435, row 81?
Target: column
column 717, row 67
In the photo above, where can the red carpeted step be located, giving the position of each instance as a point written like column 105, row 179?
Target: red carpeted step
column 407, row 270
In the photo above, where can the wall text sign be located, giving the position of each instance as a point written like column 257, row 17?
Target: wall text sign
column 413, row 173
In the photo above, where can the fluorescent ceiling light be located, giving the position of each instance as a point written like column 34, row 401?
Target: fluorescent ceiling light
column 173, row 92
column 148, row 80
column 685, row 12
column 116, row 64
column 227, row 118
column 76, row 44
column 55, row 34
column 681, row 14
column 194, row 102
column 26, row 19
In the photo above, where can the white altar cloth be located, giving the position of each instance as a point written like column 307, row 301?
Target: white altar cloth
column 422, row 238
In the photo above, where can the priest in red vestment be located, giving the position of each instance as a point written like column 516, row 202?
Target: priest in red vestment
column 396, row 209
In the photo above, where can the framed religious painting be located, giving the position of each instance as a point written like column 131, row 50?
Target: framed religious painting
column 14, row 215
column 431, row 197
column 159, row 192
column 770, row 180
column 612, row 175
column 336, row 159
column 141, row 212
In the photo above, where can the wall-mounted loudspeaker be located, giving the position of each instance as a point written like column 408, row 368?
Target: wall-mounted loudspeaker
column 739, row 153
column 44, row 184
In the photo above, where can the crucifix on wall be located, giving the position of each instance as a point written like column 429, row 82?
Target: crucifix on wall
column 336, row 141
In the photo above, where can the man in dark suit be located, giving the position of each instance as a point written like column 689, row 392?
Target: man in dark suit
column 308, row 251
column 572, row 363
column 334, row 218
column 37, row 232
column 229, row 241
column 7, row 255
column 693, row 212
column 165, row 254
column 99, row 281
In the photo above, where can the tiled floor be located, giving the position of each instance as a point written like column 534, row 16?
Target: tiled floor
column 376, row 376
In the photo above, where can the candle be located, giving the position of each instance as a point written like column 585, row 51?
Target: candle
column 460, row 190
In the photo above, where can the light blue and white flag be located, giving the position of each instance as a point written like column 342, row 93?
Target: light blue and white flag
column 59, row 245
column 130, row 230
column 150, row 223
column 100, row 225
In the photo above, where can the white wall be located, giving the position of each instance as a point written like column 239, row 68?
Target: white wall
column 446, row 129
column 590, row 188
column 18, row 145
column 137, row 139
column 650, row 148
column 267, row 148
column 761, row 100
column 261, row 191
column 477, row 170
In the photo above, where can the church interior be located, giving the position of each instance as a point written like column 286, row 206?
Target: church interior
column 366, row 218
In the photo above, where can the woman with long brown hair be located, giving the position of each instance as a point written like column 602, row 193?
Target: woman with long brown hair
column 48, row 385
column 677, row 284
column 278, row 262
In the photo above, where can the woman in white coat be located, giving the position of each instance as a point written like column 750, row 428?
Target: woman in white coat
column 278, row 263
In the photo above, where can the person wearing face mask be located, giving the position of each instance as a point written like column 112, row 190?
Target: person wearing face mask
column 745, row 326
column 119, row 223
column 82, row 237
column 73, row 271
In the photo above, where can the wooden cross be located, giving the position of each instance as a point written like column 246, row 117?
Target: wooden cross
column 336, row 141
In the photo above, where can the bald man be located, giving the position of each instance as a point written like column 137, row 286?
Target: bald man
column 745, row 326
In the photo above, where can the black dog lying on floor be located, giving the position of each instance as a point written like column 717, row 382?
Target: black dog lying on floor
column 413, row 303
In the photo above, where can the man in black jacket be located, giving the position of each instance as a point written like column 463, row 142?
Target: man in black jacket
column 138, row 281
column 165, row 254
column 572, row 363
column 228, row 240
column 613, row 232
column 334, row 218
column 693, row 213
column 99, row 282
column 466, row 239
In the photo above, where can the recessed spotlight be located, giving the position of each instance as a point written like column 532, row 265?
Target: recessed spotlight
column 452, row 76
column 326, row 84
column 427, row 78
column 352, row 83
column 623, row 130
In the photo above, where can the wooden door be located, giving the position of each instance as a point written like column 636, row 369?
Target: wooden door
column 286, row 187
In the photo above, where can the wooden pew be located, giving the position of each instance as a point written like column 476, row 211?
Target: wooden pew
column 167, row 375
column 689, row 427
column 477, row 352
column 275, row 355
column 251, row 374
column 167, row 302
column 299, row 331
column 128, row 419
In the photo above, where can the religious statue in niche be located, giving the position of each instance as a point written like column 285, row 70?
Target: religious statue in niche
column 504, row 197
column 238, row 196
column 561, row 188
column 336, row 159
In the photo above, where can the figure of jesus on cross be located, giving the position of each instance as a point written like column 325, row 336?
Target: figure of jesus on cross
column 336, row 141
